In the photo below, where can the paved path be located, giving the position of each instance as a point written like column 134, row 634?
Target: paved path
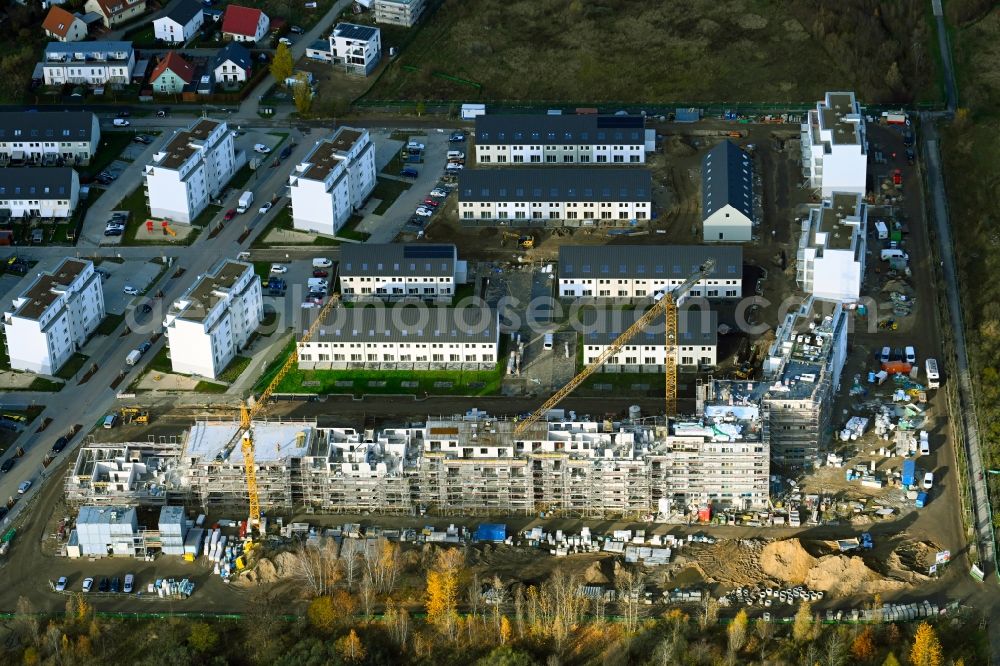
column 950, row 86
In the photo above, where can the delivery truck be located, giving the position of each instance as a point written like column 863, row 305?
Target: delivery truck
column 909, row 472
column 133, row 357
column 246, row 200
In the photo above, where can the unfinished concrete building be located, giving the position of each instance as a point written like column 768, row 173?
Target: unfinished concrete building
column 134, row 473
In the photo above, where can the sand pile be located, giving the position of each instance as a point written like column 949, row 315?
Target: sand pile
column 787, row 561
column 594, row 575
column 269, row 570
column 846, row 575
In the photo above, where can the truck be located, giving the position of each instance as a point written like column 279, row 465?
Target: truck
column 890, row 254
column 933, row 378
column 921, row 500
column 246, row 200
column 882, row 229
column 909, row 472
column 133, row 357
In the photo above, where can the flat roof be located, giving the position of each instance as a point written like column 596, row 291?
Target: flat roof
column 41, row 293
column 695, row 326
column 559, row 130
column 106, row 515
column 407, row 323
column 398, row 259
column 180, row 149
column 354, row 31
column 555, row 184
column 273, row 441
column 673, row 262
column 328, row 153
column 832, row 116
column 203, row 295
column 832, row 220
column 87, row 48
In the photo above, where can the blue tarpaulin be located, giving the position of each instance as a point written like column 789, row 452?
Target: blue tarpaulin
column 491, row 532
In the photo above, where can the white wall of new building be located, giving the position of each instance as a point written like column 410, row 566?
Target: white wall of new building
column 828, row 273
column 57, row 208
column 181, row 194
column 584, row 153
column 650, row 358
column 88, row 72
column 555, row 210
column 398, row 12
column 418, row 355
column 230, row 72
column 171, row 31
column 205, row 346
column 359, row 55
column 355, row 287
column 831, row 165
column 44, row 343
column 727, row 225
column 634, row 288
column 81, row 151
column 324, row 206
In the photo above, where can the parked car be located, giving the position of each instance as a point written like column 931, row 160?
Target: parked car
column 110, row 421
column 911, row 355
column 454, row 167
column 104, row 584
column 296, row 30
column 123, row 114
column 144, row 347
column 414, row 145
column 928, row 480
column 261, row 148
column 884, row 356
column 129, row 582
column 230, row 214
column 431, row 202
column 61, row 584
column 279, row 269
column 7, row 465
column 315, row 298
column 320, row 273
column 120, row 122
column 23, row 488
column 409, row 172
column 113, row 232
column 131, row 291
column 144, row 140
column 285, row 41
column 456, row 137
column 60, row 444
column 438, row 192
column 162, row 113
column 266, row 207
column 88, row 584
column 425, row 212
column 285, row 152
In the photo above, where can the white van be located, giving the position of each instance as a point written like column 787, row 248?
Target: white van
column 456, row 155
column 882, row 229
column 889, row 254
column 933, row 378
column 322, row 262
column 547, row 343
column 110, row 420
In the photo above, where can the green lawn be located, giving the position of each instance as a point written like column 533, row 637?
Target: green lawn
column 112, row 145
column 234, row 369
column 135, row 204
column 44, row 385
column 388, row 190
column 109, row 324
column 4, row 358
column 621, row 384
column 160, row 362
column 350, row 230
column 241, row 177
column 209, row 387
column 72, row 366
column 206, row 215
column 283, row 220
column 395, row 165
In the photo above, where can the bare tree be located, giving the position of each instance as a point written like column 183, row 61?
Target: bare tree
column 562, row 605
column 474, row 595
column 598, row 606
column 630, row 585
column 350, row 561
column 765, row 632
column 709, row 612
column 519, row 610
column 499, row 594
column 316, row 566
column 383, row 564
column 397, row 621
column 366, row 588
column 25, row 621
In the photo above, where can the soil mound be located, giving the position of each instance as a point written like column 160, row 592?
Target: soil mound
column 846, row 575
column 786, row 561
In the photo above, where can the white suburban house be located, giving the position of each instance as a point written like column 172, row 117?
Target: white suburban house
column 398, row 12
column 180, row 23
column 727, row 205
column 244, row 24
column 835, row 145
column 587, row 196
column 116, row 12
column 404, row 338
column 831, row 256
column 209, row 324
column 62, row 26
column 562, row 139
column 358, row 48
column 646, row 352
column 39, row 192
column 397, row 271
column 48, row 136
column 53, row 317
column 92, row 63
column 642, row 271
column 333, row 180
column 232, row 64
column 190, row 170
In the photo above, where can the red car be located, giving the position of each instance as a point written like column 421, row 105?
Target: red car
column 431, row 202
column 230, row 214
column 320, row 273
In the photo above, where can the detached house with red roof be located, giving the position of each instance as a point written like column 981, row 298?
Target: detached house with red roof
column 171, row 74
column 244, row 24
column 116, row 12
column 60, row 25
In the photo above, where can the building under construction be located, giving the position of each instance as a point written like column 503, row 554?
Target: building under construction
column 465, row 464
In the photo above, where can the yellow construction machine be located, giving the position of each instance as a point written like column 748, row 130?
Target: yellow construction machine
column 524, row 241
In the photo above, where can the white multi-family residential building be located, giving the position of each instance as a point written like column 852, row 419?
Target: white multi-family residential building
column 51, row 192
column 562, row 139
column 53, row 317
column 727, row 203
column 48, row 136
column 180, row 23
column 835, row 145
column 404, row 338
column 358, row 48
column 697, row 341
column 398, row 271
column 642, row 271
column 91, row 63
column 189, row 170
column 831, row 256
column 209, row 324
column 398, row 12
column 60, row 25
column 581, row 196
column 334, row 180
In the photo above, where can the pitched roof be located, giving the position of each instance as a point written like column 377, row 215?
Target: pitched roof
column 241, row 20
column 112, row 7
column 46, row 126
column 408, row 324
column 176, row 64
column 651, row 262
column 726, row 180
column 184, row 11
column 396, row 259
column 554, row 184
column 695, row 326
column 58, row 21
column 233, row 52
column 559, row 130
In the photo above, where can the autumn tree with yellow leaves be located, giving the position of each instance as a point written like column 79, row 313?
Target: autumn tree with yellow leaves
column 926, row 650
column 442, row 591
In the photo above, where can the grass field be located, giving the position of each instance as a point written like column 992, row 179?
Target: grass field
column 388, row 190
column 631, row 52
column 109, row 324
column 72, row 366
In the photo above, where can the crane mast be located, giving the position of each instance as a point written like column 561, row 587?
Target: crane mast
column 666, row 305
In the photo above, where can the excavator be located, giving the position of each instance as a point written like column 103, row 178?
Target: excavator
column 525, row 242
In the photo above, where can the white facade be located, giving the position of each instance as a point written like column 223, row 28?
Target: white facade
column 727, row 196
column 214, row 320
column 396, row 271
column 357, row 47
column 54, row 317
column 170, row 29
column 43, row 136
column 404, row 339
column 560, row 139
column 642, row 271
column 192, row 167
column 835, row 145
column 39, row 192
column 831, row 255
column 334, row 180
column 92, row 63
column 244, row 24
column 398, row 12
column 697, row 341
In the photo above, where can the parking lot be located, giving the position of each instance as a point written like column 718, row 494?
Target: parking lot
column 132, row 273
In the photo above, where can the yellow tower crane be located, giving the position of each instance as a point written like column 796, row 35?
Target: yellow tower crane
column 667, row 305
column 248, row 413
